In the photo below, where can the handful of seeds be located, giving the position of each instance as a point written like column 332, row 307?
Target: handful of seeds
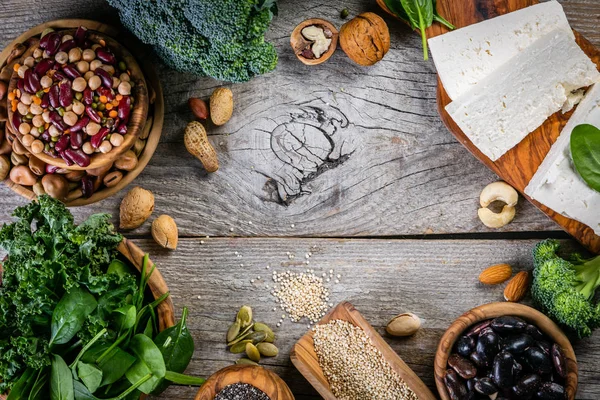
column 253, row 338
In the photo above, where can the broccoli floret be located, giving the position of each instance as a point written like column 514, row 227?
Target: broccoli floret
column 223, row 39
column 565, row 289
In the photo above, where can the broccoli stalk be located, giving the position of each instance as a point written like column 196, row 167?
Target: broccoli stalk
column 565, row 289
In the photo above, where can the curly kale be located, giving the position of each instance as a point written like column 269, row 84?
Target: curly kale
column 223, row 39
column 565, row 289
column 47, row 255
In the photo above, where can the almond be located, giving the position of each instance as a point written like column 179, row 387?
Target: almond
column 517, row 288
column 164, row 232
column 199, row 108
column 495, row 274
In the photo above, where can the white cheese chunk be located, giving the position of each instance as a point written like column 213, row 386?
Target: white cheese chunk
column 572, row 100
column 557, row 184
column 465, row 56
column 503, row 108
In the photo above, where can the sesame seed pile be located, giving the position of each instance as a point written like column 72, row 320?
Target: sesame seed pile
column 354, row 367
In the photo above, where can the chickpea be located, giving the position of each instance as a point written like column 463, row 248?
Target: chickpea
column 87, row 148
column 70, row 118
column 38, row 121
column 82, row 66
column 79, row 84
column 88, row 75
column 96, row 46
column 24, row 128
column 29, row 61
column 78, row 107
column 125, row 88
column 37, row 146
column 95, row 64
column 37, row 53
column 46, row 116
column 53, row 131
column 22, row 108
column 61, row 57
column 116, row 139
column 46, row 81
column 21, row 71
column 75, row 54
column 35, row 133
column 88, row 55
column 124, row 77
column 108, row 68
column 27, row 140
column 36, row 109
column 26, row 98
column 66, row 37
column 116, row 82
column 92, row 128
column 94, row 82
column 105, row 147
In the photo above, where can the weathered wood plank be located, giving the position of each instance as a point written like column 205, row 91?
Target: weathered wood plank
column 336, row 150
column 437, row 280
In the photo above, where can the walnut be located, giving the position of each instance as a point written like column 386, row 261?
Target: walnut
column 365, row 39
column 314, row 41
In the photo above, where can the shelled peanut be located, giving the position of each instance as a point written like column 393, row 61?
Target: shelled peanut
column 73, row 97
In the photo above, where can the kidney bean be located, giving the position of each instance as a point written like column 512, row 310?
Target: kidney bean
column 54, row 42
column 487, row 346
column 45, row 101
column 88, row 96
column 516, row 344
column 538, row 361
column 79, row 125
column 65, row 95
column 44, row 66
column 124, row 109
column 471, row 384
column 80, row 35
column 97, row 139
column 46, row 136
column 105, row 77
column 67, row 45
column 105, row 56
column 51, row 169
column 54, row 94
column 45, row 40
column 508, row 324
column 518, row 369
column 456, row 388
column 76, row 140
column 544, row 346
column 551, row 391
column 67, row 160
column 485, row 386
column 78, row 157
column 26, row 84
column 21, row 85
column 62, row 143
column 534, row 332
column 93, row 114
column 464, row 345
column 16, row 120
column 475, row 330
column 34, row 81
column 559, row 361
column 87, row 186
column 122, row 128
column 102, row 91
column 503, row 370
column 527, row 386
column 71, row 71
column 462, row 366
column 59, row 76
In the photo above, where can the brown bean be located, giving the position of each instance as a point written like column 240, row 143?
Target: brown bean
column 463, row 367
column 22, row 175
column 37, row 166
column 4, row 167
column 74, row 176
column 113, row 178
column 127, row 162
column 74, row 195
column 56, row 186
column 18, row 148
column 100, row 170
column 18, row 159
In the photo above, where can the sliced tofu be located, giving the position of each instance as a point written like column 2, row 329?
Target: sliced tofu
column 465, row 56
column 503, row 108
column 557, row 184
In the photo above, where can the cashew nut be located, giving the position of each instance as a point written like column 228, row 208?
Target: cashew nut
column 501, row 191
column 497, row 191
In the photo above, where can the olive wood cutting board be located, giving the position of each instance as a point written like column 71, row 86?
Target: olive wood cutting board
column 305, row 359
column 520, row 163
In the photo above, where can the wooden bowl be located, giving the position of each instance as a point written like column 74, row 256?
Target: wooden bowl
column 298, row 42
column 493, row 310
column 259, row 377
column 305, row 359
column 138, row 114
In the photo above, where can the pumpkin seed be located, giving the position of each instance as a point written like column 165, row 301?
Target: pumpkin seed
column 260, row 327
column 233, row 332
column 239, row 347
column 267, row 349
column 245, row 361
column 270, row 337
column 252, row 352
column 246, row 332
column 257, row 337
column 245, row 316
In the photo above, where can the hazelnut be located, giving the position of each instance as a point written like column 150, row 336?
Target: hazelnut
column 365, row 39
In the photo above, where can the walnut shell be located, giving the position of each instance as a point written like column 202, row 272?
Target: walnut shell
column 299, row 43
column 136, row 208
column 365, row 39
column 164, row 232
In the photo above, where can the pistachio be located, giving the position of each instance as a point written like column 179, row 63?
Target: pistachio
column 252, row 352
column 267, row 349
column 233, row 332
column 245, row 316
column 406, row 324
column 245, row 361
column 239, row 347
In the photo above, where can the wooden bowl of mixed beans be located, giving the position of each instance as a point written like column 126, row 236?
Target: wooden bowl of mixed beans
column 77, row 99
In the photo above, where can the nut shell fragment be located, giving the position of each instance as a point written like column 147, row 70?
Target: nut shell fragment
column 136, row 208
column 164, row 232
column 365, row 39
column 405, row 324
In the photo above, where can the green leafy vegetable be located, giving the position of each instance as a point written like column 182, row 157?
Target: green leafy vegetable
column 149, row 361
column 419, row 14
column 181, row 379
column 61, row 380
column 38, row 390
column 585, row 150
column 90, row 375
column 125, row 317
column 113, row 366
column 70, row 314
column 22, row 386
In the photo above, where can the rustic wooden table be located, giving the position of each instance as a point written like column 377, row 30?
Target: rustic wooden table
column 377, row 190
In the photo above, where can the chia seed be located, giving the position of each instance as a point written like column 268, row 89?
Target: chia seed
column 241, row 391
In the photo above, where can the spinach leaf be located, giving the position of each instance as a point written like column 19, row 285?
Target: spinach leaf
column 131, row 393
column 149, row 361
column 125, row 317
column 70, row 314
column 22, row 387
column 113, row 365
column 90, row 375
column 61, row 380
column 585, row 150
column 181, row 379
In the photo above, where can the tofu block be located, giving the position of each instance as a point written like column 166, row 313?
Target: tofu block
column 503, row 108
column 465, row 56
column 557, row 184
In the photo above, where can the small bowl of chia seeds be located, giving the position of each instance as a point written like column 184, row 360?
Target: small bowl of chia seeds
column 244, row 382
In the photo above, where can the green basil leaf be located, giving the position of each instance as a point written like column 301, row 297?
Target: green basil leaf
column 150, row 361
column 438, row 18
column 90, row 375
column 70, row 314
column 113, row 366
column 585, row 150
column 61, row 380
column 125, row 318
column 22, row 387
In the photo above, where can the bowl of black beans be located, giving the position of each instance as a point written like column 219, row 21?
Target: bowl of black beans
column 505, row 351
